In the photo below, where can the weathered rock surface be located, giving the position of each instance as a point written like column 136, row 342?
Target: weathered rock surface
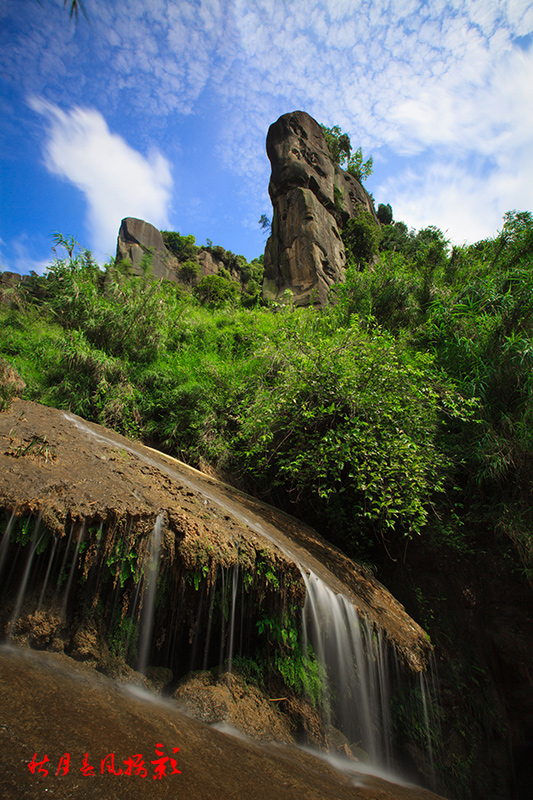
column 228, row 699
column 51, row 706
column 136, row 238
column 78, row 472
column 9, row 283
column 310, row 195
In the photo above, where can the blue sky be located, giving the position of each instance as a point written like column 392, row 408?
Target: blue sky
column 159, row 109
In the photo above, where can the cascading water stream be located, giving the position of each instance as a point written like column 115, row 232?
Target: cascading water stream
column 5, row 541
column 353, row 654
column 24, row 582
column 234, row 583
column 72, row 570
column 353, row 659
column 148, row 597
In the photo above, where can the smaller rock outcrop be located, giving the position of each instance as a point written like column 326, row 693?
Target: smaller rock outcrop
column 312, row 197
column 9, row 284
column 136, row 238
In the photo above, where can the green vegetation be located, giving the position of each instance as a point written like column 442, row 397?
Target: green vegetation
column 376, row 418
column 341, row 150
column 401, row 411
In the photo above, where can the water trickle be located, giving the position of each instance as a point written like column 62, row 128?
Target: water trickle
column 354, row 659
column 72, row 570
column 64, row 561
column 5, row 541
column 47, row 574
column 24, row 583
column 234, row 582
column 149, row 593
column 209, row 628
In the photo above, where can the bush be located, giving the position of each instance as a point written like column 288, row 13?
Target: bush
column 216, row 291
column 189, row 271
column 183, row 247
column 346, row 423
column 361, row 239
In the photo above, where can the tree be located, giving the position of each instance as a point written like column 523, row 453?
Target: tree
column 75, row 7
column 265, row 223
column 384, row 213
column 189, row 271
column 340, row 148
column 361, row 239
column 183, row 247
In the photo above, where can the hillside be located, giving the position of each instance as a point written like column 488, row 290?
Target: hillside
column 395, row 418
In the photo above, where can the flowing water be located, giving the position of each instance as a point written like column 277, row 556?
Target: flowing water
column 148, row 598
column 356, row 659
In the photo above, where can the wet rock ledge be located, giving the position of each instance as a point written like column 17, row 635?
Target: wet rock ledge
column 88, row 481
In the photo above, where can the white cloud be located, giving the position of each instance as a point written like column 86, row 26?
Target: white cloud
column 117, row 181
column 440, row 78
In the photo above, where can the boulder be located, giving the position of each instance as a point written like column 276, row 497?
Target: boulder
column 230, row 700
column 312, row 197
column 136, row 238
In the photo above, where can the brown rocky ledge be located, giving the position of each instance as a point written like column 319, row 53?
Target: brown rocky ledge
column 54, row 462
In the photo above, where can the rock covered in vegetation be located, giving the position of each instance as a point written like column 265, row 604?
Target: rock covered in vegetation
column 311, row 197
column 9, row 283
column 81, row 476
column 169, row 256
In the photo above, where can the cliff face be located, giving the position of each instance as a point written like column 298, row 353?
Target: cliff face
column 311, row 197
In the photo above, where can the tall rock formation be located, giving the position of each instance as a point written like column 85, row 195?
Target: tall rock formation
column 312, row 198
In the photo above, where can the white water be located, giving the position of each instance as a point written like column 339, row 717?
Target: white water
column 149, row 593
column 354, row 659
column 354, row 656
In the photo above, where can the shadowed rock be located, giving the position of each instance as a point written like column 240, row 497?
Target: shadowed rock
column 52, row 706
column 136, row 238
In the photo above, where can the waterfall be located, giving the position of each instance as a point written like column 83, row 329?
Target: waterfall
column 149, row 593
column 358, row 662
column 353, row 657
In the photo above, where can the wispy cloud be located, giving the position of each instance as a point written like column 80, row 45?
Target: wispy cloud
column 448, row 81
column 18, row 256
column 117, row 181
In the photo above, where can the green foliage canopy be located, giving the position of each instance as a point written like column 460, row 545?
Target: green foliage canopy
column 341, row 150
